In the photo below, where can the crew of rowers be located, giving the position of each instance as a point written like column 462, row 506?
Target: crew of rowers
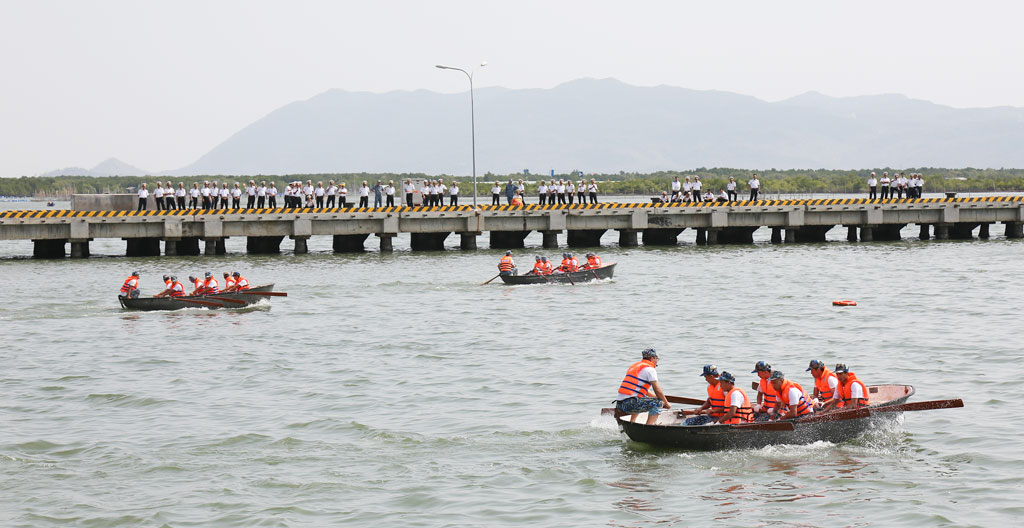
column 778, row 398
column 543, row 266
column 233, row 282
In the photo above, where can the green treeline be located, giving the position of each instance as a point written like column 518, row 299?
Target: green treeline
column 772, row 181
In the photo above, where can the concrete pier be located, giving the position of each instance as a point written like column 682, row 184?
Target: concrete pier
column 628, row 238
column 508, row 239
column 776, row 235
column 48, row 249
column 661, row 237
column 962, row 231
column 550, row 239
column 301, row 247
column 142, row 247
column 386, row 242
column 428, row 241
column 79, row 249
column 349, row 243
column 924, row 235
column 187, row 246
column 584, row 238
column 257, row 245
column 983, row 230
column 851, row 233
column 1014, row 229
column 467, row 240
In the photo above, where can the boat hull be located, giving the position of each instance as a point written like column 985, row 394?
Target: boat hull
column 177, row 303
column 604, row 272
column 670, row 433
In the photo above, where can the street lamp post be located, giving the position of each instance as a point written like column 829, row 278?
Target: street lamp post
column 472, row 118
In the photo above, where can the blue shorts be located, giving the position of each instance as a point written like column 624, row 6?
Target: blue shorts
column 636, row 405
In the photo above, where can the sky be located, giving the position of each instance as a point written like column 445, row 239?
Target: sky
column 159, row 84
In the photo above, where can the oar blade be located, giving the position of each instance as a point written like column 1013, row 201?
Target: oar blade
column 265, row 294
column 226, row 299
column 681, row 399
column 921, row 406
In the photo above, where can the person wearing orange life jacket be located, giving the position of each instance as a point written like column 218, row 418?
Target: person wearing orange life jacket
column 593, row 262
column 714, row 407
column 737, row 405
column 168, row 282
column 229, row 283
column 507, row 266
column 538, row 266
column 792, row 402
column 766, row 397
column 177, row 288
column 241, row 284
column 633, row 399
column 130, row 288
column 210, row 284
column 549, row 268
column 825, row 383
column 851, row 392
column 574, row 265
column 197, row 285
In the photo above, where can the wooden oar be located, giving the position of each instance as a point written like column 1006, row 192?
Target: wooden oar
column 921, row 406
column 765, row 426
column 203, row 303
column 836, row 416
column 680, row 399
column 492, row 278
column 225, row 299
column 267, row 294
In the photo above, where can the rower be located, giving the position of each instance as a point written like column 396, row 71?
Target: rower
column 737, row 404
column 538, row 266
column 130, row 288
column 792, row 401
column 766, row 396
column 851, row 392
column 177, row 288
column 240, row 283
column 574, row 265
column 197, row 285
column 507, row 266
column 210, row 284
column 632, row 398
column 549, row 268
column 593, row 262
column 714, row 407
column 564, row 265
column 229, row 283
column 825, row 383
column 167, row 287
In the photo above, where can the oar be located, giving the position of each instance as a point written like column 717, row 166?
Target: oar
column 766, row 426
column 921, row 406
column 836, row 416
column 203, row 303
column 492, row 278
column 225, row 299
column 267, row 294
column 680, row 399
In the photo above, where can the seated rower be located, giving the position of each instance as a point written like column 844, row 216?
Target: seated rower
column 766, row 397
column 549, row 268
column 825, row 383
column 167, row 287
column 538, row 266
column 229, row 283
column 130, row 288
column 714, row 407
column 210, row 284
column 737, row 405
column 177, row 288
column 507, row 266
column 632, row 398
column 792, row 400
column 240, row 283
column 197, row 285
column 851, row 392
column 593, row 262
column 570, row 264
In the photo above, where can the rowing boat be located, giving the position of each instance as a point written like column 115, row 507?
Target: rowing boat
column 215, row 301
column 839, row 426
column 604, row 272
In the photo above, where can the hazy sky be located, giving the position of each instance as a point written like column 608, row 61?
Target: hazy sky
column 158, row 84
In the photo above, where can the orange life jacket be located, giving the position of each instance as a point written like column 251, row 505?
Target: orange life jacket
column 229, row 282
column 538, row 267
column 744, row 413
column 845, row 390
column 717, row 399
column 177, row 289
column 565, row 264
column 770, row 398
column 549, row 267
column 127, row 287
column 242, row 284
column 517, row 201
column 573, row 264
column 632, row 385
column 825, row 392
column 802, row 407
column 167, row 284
column 505, row 264
column 198, row 287
column 593, row 262
column 210, row 286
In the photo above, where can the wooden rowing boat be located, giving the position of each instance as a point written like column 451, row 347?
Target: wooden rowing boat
column 838, row 426
column 604, row 272
column 215, row 301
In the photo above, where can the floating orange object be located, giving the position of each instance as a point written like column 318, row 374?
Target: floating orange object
column 844, row 303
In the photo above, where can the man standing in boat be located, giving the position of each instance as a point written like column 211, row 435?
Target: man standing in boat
column 641, row 377
column 507, row 266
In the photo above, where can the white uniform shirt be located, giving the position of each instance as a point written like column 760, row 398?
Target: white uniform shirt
column 731, row 186
column 224, row 192
column 261, row 190
column 180, row 192
column 143, row 193
column 543, row 189
column 205, row 191
column 272, row 191
column 364, row 191
column 332, row 191
column 454, row 190
column 193, row 192
column 319, row 191
column 409, row 188
column 495, row 190
column 676, row 186
column 158, row 192
column 389, row 190
column 441, row 189
column 884, row 181
column 572, row 188
column 250, row 190
column 872, row 182
column 754, row 184
column 687, row 186
column 647, row 374
column 697, row 185
column 592, row 188
column 342, row 191
column 236, row 193
column 561, row 188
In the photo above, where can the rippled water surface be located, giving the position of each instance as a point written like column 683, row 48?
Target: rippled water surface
column 394, row 390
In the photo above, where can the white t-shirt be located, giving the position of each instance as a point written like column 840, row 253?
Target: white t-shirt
column 224, row 192
column 319, row 191
column 543, row 189
column 250, row 190
column 441, row 189
column 754, row 184
column 855, row 391
column 261, row 190
column 647, row 374
column 495, row 190
column 205, row 191
column 364, row 191
column 180, row 192
column 736, row 399
column 342, row 191
column 389, row 190
column 454, row 191
column 561, row 188
column 676, row 185
column 409, row 188
column 697, row 185
column 884, row 181
column 731, row 186
column 332, row 191
column 687, row 186
column 158, row 192
column 572, row 188
column 193, row 192
column 236, row 192
column 272, row 191
column 795, row 395
column 592, row 188
column 143, row 193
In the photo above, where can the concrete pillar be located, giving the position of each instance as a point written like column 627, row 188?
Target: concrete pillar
column 468, row 240
column 941, row 231
column 211, row 246
column 142, row 247
column 867, row 234
column 702, row 238
column 851, row 233
column 301, row 248
column 187, row 246
column 1014, row 229
column 810, row 233
column 386, row 242
column 734, row 235
column 507, row 239
column 256, row 245
column 628, row 238
column 170, row 247
column 661, row 237
column 888, row 232
column 983, row 230
column 80, row 249
column 776, row 235
column 584, row 238
column 222, row 248
column 924, row 232
column 550, row 239
column 791, row 234
column 428, row 241
column 962, row 230
column 349, row 243
column 712, row 237
column 48, row 249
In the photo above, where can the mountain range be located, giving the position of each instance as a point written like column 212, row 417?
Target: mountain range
column 604, row 125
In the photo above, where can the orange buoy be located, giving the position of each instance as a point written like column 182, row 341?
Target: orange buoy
column 844, row 303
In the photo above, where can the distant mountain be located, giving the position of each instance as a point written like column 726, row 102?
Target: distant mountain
column 108, row 167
